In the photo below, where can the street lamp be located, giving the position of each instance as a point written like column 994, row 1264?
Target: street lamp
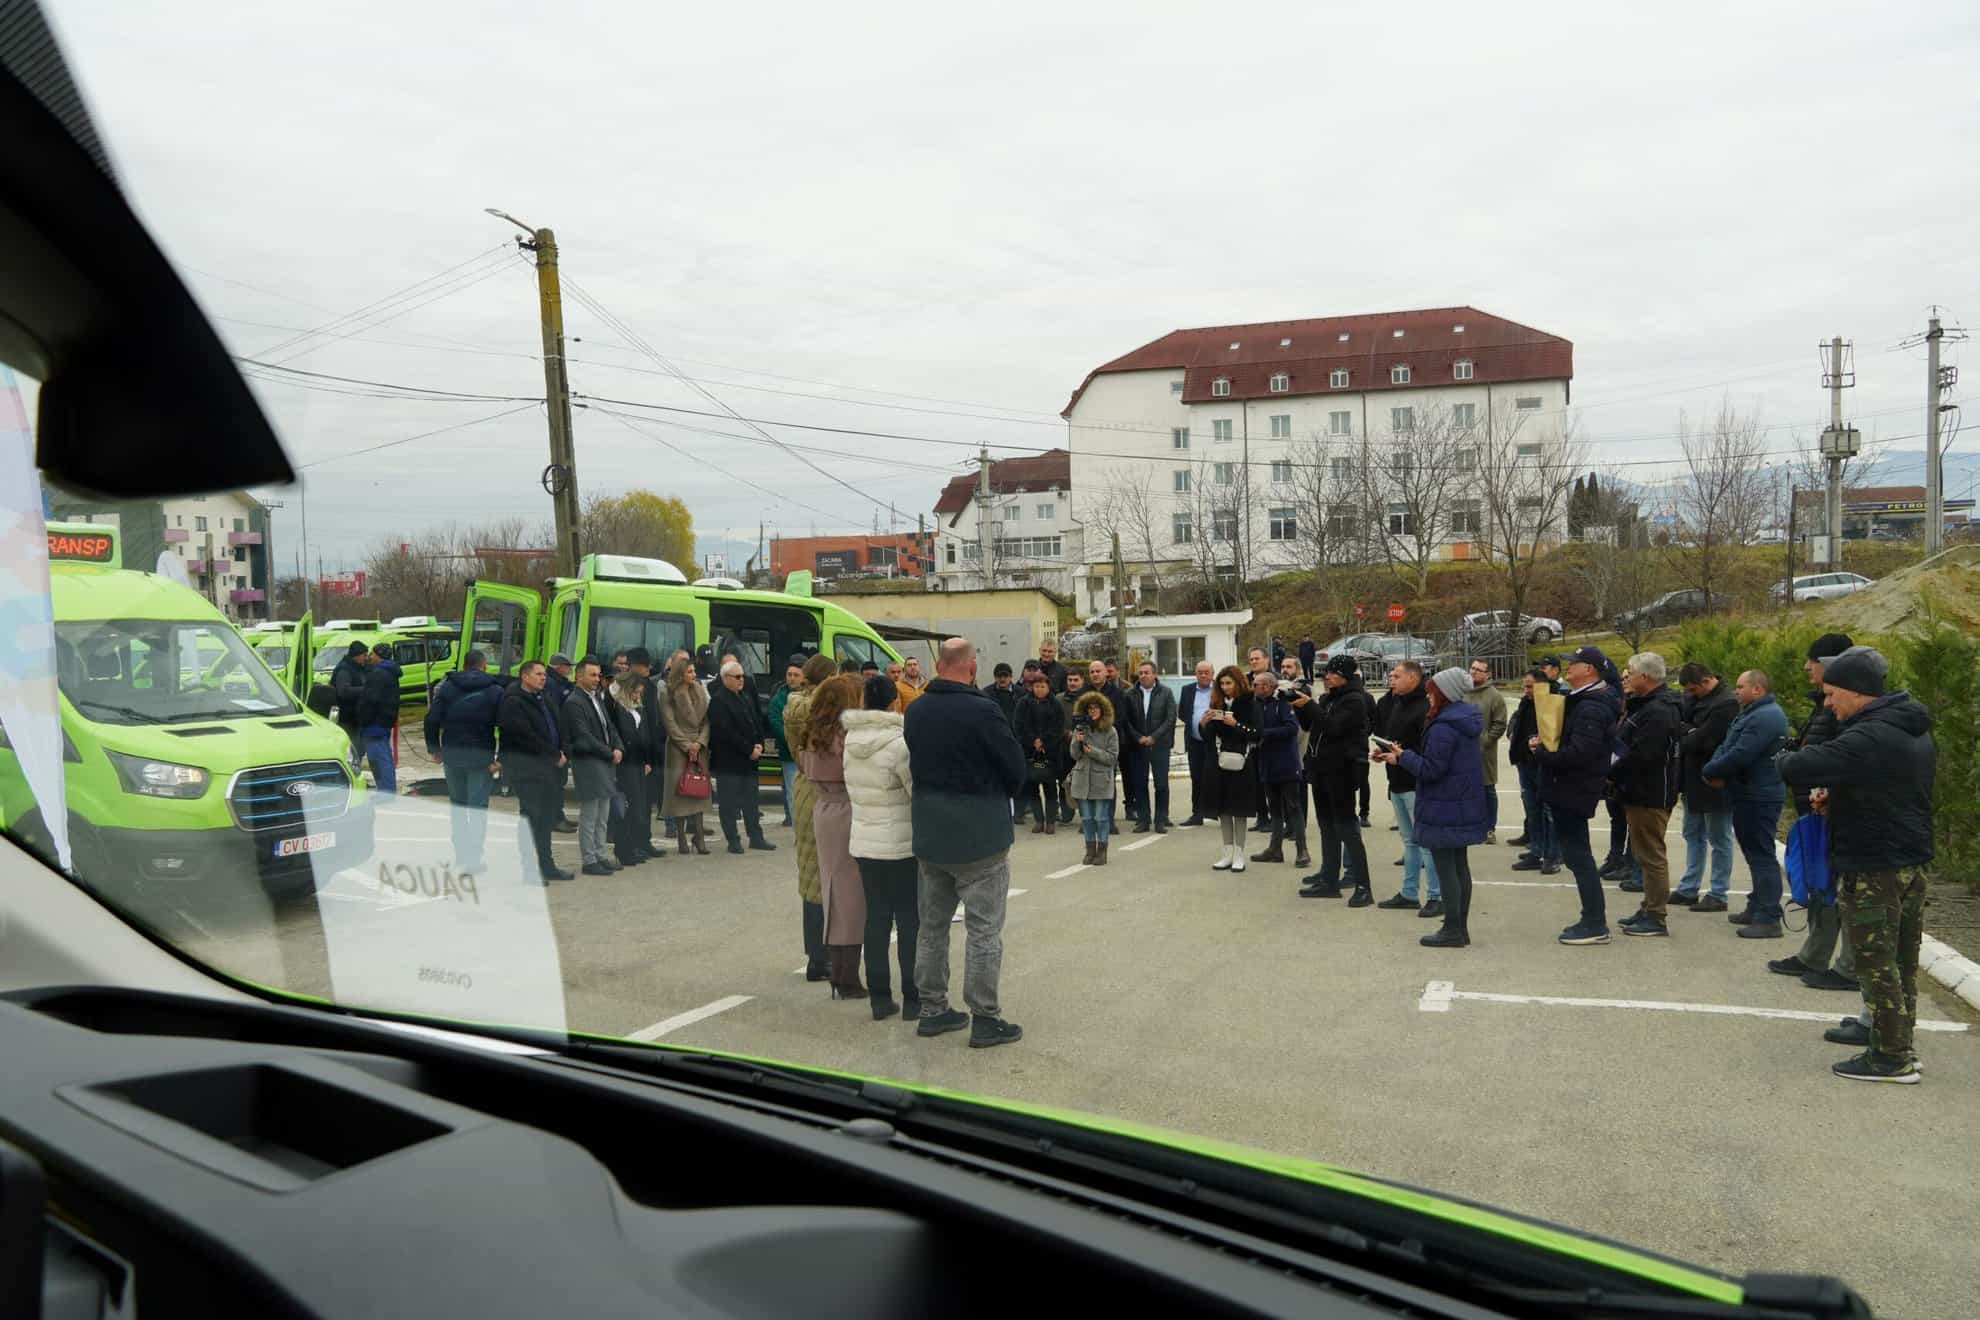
column 500, row 214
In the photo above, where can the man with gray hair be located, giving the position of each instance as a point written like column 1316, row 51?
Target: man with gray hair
column 1744, row 767
column 965, row 765
column 1648, row 773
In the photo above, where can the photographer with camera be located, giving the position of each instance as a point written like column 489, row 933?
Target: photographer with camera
column 1279, row 772
column 1338, row 723
column 1096, row 750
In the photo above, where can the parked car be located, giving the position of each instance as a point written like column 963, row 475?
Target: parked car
column 1669, row 608
column 1822, row 586
column 1533, row 628
column 1375, row 652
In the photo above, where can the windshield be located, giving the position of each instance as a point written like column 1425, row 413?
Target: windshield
column 1412, row 348
column 151, row 671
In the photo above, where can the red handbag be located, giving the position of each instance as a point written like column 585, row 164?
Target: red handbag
column 693, row 782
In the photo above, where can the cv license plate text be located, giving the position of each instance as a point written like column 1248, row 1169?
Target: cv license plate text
column 307, row 843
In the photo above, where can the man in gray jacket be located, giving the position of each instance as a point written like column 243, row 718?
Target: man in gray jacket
column 591, row 741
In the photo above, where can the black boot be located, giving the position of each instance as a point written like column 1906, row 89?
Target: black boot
column 1363, row 897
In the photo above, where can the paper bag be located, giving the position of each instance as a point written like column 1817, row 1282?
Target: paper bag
column 1549, row 712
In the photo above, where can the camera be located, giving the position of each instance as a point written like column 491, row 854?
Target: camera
column 1082, row 724
column 1288, row 686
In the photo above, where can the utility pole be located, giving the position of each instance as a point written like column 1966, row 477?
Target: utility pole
column 1839, row 445
column 560, row 478
column 1120, row 605
column 983, row 542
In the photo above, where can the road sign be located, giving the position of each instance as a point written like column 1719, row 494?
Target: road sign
column 1357, row 611
column 1395, row 614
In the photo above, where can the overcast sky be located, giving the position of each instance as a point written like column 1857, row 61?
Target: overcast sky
column 977, row 206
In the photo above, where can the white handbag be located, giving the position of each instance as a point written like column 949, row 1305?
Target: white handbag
column 1232, row 760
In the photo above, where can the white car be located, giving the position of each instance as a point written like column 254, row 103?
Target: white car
column 1825, row 586
column 1534, row 629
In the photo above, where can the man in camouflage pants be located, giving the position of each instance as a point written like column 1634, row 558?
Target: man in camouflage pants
column 1874, row 782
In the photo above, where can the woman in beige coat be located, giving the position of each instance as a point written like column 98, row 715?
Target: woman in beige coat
column 684, row 710
column 797, row 718
column 823, row 759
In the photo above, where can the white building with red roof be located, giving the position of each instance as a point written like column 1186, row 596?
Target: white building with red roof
column 1027, row 516
column 1166, row 439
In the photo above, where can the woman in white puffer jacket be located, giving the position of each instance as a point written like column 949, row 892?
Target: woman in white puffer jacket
column 876, row 760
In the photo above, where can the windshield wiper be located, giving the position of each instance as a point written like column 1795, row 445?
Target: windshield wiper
column 129, row 712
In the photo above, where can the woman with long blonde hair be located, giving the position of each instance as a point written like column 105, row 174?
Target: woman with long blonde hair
column 684, row 712
column 823, row 760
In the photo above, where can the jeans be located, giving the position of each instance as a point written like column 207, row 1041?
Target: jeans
column 1413, row 868
column 735, row 796
column 1491, row 808
column 468, row 783
column 1096, row 818
column 982, row 888
column 1753, row 827
column 789, row 771
column 539, row 801
column 892, row 903
column 1152, row 765
column 1571, row 832
column 594, row 825
column 1707, row 832
column 378, row 750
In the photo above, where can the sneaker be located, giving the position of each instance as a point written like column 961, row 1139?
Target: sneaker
column 1828, row 978
column 1789, row 966
column 1434, row 908
column 1683, row 899
column 1851, row 1032
column 1393, row 829
column 937, row 1023
column 1550, row 868
column 762, row 845
column 1397, row 903
column 1579, row 933
column 1710, row 903
column 1320, row 890
column 1630, row 885
column 1444, row 939
column 1360, row 898
column 1614, row 867
column 596, row 868
column 1519, row 841
column 1743, row 917
column 1397, row 862
column 1870, row 1067
column 1527, row 864
column 1757, row 930
column 1192, row 823
column 987, row 1031
column 1645, row 924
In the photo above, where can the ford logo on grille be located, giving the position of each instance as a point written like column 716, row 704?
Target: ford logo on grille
column 301, row 788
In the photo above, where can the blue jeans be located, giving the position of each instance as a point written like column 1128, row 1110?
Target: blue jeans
column 1152, row 767
column 1571, row 837
column 1413, row 867
column 378, row 750
column 1491, row 806
column 1096, row 818
column 788, row 767
column 468, row 785
column 1707, row 831
column 1753, row 826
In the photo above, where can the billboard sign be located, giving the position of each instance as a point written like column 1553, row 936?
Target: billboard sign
column 342, row 584
column 835, row 563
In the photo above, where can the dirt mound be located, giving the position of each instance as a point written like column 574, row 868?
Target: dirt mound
column 1948, row 582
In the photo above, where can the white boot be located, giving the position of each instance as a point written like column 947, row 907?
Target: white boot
column 1237, row 858
column 1225, row 860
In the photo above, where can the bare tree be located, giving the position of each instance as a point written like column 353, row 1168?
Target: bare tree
column 1610, row 557
column 1127, row 506
column 1411, row 485
column 1209, row 525
column 1522, row 480
column 1334, row 528
column 1722, row 495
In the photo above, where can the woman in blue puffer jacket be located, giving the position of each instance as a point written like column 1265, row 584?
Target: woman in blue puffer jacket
column 1450, row 798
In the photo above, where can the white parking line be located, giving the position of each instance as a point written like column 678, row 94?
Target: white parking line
column 689, row 1018
column 1143, row 843
column 1439, row 995
column 1074, row 869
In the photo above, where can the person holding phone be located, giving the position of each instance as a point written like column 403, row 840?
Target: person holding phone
column 1450, row 812
column 1230, row 727
column 1399, row 718
column 1338, row 722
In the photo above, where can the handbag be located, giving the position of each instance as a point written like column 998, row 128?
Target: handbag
column 693, row 782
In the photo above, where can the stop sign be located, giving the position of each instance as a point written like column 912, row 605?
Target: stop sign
column 1357, row 611
column 1395, row 614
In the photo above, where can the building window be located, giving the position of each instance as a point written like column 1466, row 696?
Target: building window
column 1280, row 382
column 1461, row 369
column 199, row 523
column 1527, row 403
column 1014, row 513
column 1282, row 426
column 1221, row 386
column 240, row 524
column 1396, row 334
column 1175, row 387
column 1224, row 525
column 1401, row 521
column 1285, row 343
column 1235, row 346
column 1467, row 517
column 1181, row 530
column 1530, row 504
column 1465, row 415
column 1028, row 547
column 1529, row 451
column 1178, row 657
column 1457, row 329
column 1340, row 469
column 1402, row 463
column 1402, row 420
column 1340, row 520
column 1282, row 472
column 1337, row 379
column 1220, row 431
column 1226, row 474
column 1340, row 423
column 1047, row 512
column 1182, row 481
column 952, row 552
column 178, row 520
column 1179, row 437
column 1399, row 374
column 1283, row 526
column 1466, row 460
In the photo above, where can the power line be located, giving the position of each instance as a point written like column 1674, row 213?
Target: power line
column 779, row 496
column 423, row 435
column 378, row 305
column 883, row 460
column 419, row 390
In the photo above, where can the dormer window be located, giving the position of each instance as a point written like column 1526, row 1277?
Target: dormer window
column 1461, row 369
column 1281, row 382
column 1399, row 374
column 1221, row 387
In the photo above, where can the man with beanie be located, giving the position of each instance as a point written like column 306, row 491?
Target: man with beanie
column 1874, row 782
column 1744, row 767
column 1338, row 722
column 1824, row 939
column 1572, row 776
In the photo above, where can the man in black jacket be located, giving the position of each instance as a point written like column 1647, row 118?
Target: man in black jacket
column 1048, row 660
column 557, row 691
column 1337, row 723
column 1647, row 778
column 1542, row 852
column 532, row 763
column 378, row 717
column 736, row 736
column 1824, row 940
column 347, row 687
column 1874, row 782
column 1707, row 712
column 1399, row 717
column 1007, row 695
column 1195, row 699
column 460, row 734
column 653, row 755
column 1151, row 730
column 1572, row 779
column 965, row 765
column 591, row 741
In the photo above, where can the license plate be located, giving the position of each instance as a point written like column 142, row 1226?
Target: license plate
column 306, row 843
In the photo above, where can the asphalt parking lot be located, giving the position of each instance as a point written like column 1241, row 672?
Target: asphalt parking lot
column 1670, row 1093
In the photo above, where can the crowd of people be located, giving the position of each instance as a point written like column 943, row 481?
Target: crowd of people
column 905, row 794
